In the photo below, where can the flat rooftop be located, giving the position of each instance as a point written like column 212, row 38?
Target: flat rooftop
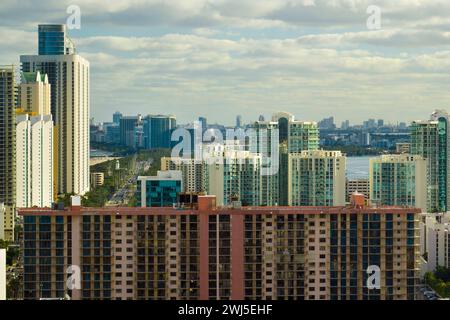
column 74, row 211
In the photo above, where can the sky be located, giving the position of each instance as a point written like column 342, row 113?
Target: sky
column 221, row 58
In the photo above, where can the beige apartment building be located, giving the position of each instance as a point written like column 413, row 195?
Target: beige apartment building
column 35, row 95
column 357, row 185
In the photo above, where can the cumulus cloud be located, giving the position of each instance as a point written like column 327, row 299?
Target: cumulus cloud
column 311, row 57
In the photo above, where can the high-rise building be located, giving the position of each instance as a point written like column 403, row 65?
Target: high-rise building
column 398, row 180
column 116, row 117
column 34, row 161
column 235, row 175
column 159, row 191
column 68, row 75
column 112, row 133
column 316, row 178
column 345, row 125
column 327, row 124
column 2, row 274
column 35, row 93
column 158, row 130
column 291, row 136
column 53, row 40
column 431, row 140
column 128, row 130
column 8, row 147
column 193, row 172
column 435, row 240
column 209, row 252
column 300, row 135
column 239, row 121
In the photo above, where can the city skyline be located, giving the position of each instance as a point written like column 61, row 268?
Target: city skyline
column 198, row 58
column 224, row 150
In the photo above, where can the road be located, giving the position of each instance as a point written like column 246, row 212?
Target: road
column 126, row 192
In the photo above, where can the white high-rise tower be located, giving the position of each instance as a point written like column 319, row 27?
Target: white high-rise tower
column 34, row 161
column 68, row 74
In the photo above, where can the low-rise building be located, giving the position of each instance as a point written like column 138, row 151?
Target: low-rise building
column 357, row 185
column 97, row 179
column 160, row 190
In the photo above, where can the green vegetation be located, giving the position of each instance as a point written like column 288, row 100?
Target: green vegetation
column 117, row 150
column 439, row 281
column 12, row 253
column 14, row 287
column 115, row 179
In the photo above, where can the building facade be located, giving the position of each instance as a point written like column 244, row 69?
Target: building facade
column 430, row 139
column 316, row 178
column 357, row 185
column 53, row 40
column 234, row 175
column 128, row 126
column 2, row 220
column 7, row 148
column 68, row 75
column 254, row 253
column 399, row 180
column 34, row 161
column 159, row 191
column 158, row 130
column 34, row 97
column 97, row 179
column 2, row 274
column 193, row 172
column 435, row 240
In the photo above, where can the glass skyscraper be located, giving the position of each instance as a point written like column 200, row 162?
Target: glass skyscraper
column 430, row 139
column 158, row 131
column 54, row 41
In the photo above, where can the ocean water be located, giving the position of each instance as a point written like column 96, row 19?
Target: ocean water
column 357, row 167
column 99, row 153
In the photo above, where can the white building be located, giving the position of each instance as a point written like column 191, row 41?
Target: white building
column 2, row 274
column 34, row 161
column 435, row 240
column 68, row 74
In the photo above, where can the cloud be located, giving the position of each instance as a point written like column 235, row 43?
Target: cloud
column 311, row 57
